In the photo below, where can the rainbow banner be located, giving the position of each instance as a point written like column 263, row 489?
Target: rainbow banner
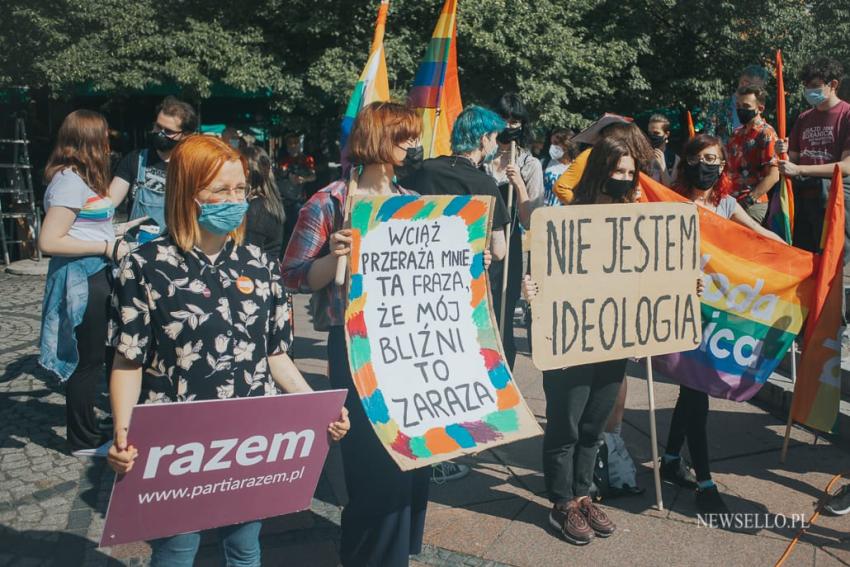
column 423, row 347
column 817, row 393
column 436, row 91
column 373, row 84
column 757, row 295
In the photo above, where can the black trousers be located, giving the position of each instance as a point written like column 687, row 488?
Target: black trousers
column 689, row 422
column 579, row 401
column 81, row 388
column 384, row 520
column 508, row 343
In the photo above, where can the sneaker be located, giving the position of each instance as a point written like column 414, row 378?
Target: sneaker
column 570, row 523
column 678, row 473
column 709, row 501
column 448, row 471
column 598, row 520
column 839, row 504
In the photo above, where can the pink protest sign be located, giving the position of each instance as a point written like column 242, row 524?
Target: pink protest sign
column 214, row 463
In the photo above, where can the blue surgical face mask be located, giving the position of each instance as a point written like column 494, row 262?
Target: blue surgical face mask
column 221, row 218
column 816, row 96
column 491, row 155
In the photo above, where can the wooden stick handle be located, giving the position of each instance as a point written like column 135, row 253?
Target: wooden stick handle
column 342, row 261
column 790, row 423
column 653, row 436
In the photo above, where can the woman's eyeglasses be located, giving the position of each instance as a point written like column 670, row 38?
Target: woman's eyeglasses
column 708, row 159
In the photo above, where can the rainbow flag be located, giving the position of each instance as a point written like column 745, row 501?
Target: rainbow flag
column 436, row 91
column 817, row 392
column 756, row 298
column 373, row 84
column 780, row 216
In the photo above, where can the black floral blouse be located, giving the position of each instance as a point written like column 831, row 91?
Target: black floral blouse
column 201, row 331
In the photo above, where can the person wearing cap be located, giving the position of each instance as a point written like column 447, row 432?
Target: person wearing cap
column 565, row 184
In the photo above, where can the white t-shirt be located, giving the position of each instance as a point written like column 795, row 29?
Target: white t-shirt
column 550, row 176
column 94, row 213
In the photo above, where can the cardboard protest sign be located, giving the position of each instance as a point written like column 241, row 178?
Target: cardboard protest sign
column 423, row 347
column 215, row 463
column 615, row 281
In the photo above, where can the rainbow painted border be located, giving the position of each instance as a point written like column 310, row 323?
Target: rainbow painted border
column 366, row 214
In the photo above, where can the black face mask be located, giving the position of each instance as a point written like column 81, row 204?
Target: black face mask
column 161, row 142
column 413, row 158
column 617, row 188
column 656, row 140
column 509, row 135
column 702, row 176
column 746, row 114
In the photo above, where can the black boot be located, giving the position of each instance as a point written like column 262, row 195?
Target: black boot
column 676, row 472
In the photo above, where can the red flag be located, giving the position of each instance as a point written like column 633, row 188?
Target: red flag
column 781, row 215
column 780, row 97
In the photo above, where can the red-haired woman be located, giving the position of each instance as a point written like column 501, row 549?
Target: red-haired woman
column 198, row 315
column 700, row 178
column 383, row 522
column 77, row 232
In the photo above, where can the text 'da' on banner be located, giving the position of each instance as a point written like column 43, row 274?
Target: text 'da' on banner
column 423, row 345
column 615, row 281
column 215, row 463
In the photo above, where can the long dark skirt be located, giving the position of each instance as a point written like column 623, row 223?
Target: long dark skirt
column 383, row 522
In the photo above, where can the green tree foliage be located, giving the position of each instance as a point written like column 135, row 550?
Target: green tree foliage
column 571, row 59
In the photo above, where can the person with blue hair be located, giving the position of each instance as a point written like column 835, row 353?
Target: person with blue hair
column 473, row 144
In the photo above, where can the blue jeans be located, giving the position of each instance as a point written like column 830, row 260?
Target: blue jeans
column 240, row 543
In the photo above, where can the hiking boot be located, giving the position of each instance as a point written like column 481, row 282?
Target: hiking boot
column 570, row 523
column 678, row 473
column 839, row 504
column 448, row 471
column 709, row 501
column 598, row 520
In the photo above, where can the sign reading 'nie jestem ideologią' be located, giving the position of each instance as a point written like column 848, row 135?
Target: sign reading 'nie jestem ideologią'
column 615, row 281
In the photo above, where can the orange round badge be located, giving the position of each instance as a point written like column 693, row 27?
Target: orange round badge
column 244, row 284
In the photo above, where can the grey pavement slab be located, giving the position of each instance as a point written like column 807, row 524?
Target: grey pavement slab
column 640, row 540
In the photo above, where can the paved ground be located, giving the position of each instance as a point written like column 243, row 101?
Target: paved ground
column 52, row 504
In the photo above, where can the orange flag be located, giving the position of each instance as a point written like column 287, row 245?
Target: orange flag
column 781, row 214
column 780, row 96
column 817, row 393
column 691, row 131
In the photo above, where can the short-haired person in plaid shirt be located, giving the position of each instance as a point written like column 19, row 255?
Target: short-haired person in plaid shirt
column 384, row 520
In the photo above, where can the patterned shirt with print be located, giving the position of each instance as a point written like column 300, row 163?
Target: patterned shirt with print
column 751, row 152
column 201, row 330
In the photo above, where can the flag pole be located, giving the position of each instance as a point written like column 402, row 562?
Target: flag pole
column 507, row 251
column 653, row 436
column 782, row 132
column 790, row 422
column 434, row 130
column 342, row 261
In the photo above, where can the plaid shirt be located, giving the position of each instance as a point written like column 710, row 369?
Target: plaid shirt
column 320, row 217
column 751, row 151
